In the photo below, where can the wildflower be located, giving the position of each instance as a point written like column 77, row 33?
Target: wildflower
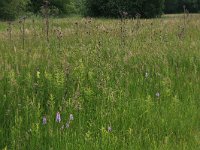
column 62, row 127
column 71, row 117
column 146, row 75
column 124, row 13
column 44, row 120
column 109, row 129
column 67, row 125
column 157, row 94
column 58, row 118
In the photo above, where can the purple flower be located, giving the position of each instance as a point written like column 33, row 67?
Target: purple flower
column 58, row 118
column 44, row 120
column 71, row 117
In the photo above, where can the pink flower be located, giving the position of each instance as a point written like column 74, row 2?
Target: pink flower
column 58, row 117
column 44, row 120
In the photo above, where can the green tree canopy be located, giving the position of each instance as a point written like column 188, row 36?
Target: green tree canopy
column 62, row 6
column 10, row 9
column 110, row 8
column 176, row 6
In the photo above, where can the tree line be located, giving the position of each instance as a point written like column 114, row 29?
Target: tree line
column 11, row 9
column 176, row 6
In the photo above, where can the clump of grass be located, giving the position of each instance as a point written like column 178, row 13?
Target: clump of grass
column 59, row 36
column 183, row 27
column 34, row 29
column 9, row 30
column 138, row 16
column 123, row 16
column 22, row 29
column 46, row 11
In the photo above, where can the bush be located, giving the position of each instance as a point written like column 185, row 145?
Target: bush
column 10, row 9
column 63, row 6
column 110, row 8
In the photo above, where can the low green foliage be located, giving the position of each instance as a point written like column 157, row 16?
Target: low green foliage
column 133, row 90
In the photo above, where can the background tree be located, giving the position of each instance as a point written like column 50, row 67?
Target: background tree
column 62, row 6
column 80, row 6
column 176, row 6
column 110, row 8
column 171, row 6
column 198, row 3
column 10, row 9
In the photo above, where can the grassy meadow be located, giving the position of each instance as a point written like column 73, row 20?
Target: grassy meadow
column 130, row 84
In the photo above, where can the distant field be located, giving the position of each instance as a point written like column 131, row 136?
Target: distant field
column 130, row 84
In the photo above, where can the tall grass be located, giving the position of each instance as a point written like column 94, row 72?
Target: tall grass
column 144, row 95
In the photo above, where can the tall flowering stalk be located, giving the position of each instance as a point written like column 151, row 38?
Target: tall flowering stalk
column 71, row 117
column 109, row 128
column 44, row 120
column 58, row 117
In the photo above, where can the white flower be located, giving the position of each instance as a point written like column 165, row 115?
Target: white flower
column 109, row 129
column 146, row 75
column 71, row 117
column 67, row 125
column 44, row 120
column 157, row 94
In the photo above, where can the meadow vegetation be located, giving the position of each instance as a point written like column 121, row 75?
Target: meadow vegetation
column 117, row 84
